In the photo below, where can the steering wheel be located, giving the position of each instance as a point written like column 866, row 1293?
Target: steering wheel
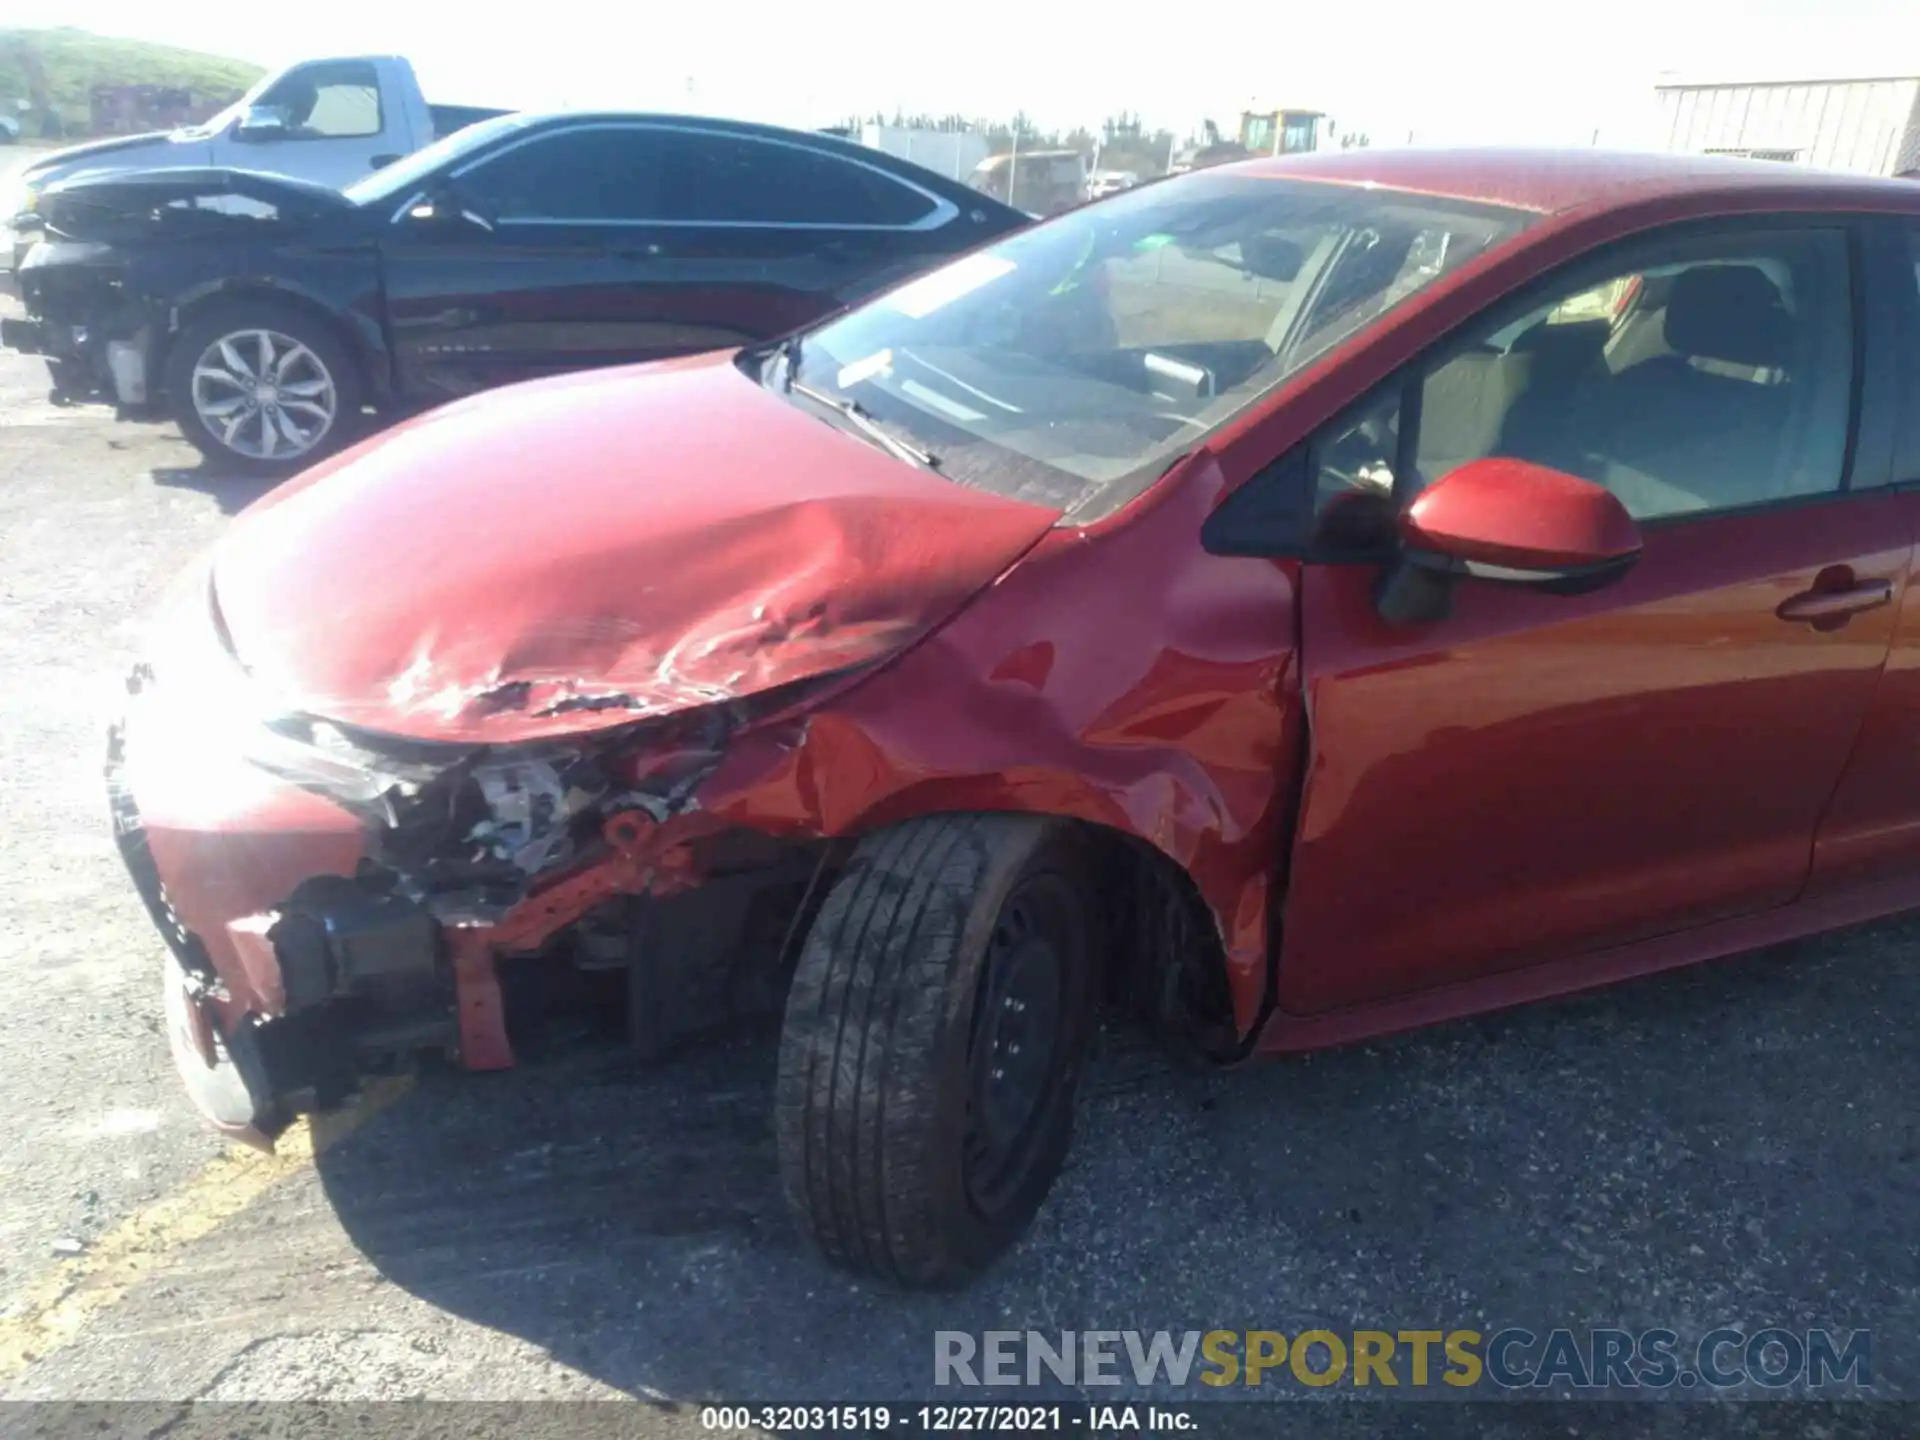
column 1361, row 450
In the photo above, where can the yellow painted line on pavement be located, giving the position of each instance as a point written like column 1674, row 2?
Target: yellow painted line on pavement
column 55, row 1309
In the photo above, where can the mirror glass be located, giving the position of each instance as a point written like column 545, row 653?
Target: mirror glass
column 262, row 122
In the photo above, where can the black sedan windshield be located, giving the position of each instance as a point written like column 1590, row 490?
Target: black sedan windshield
column 1074, row 361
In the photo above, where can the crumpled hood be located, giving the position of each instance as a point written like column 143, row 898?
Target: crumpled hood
column 91, row 156
column 123, row 204
column 580, row 552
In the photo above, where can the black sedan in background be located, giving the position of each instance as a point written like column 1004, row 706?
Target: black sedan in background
column 265, row 314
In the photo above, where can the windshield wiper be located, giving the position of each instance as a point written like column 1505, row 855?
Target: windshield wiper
column 871, row 427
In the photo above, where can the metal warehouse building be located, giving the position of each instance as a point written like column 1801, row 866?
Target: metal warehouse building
column 1870, row 126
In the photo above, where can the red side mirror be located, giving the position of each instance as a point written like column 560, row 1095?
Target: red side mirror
column 1514, row 520
column 1510, row 521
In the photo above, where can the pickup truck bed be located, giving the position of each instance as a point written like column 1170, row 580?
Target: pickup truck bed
column 449, row 118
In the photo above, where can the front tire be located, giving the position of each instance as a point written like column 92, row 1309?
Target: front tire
column 262, row 387
column 934, row 1036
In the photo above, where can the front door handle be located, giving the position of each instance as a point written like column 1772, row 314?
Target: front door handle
column 380, row 162
column 1816, row 606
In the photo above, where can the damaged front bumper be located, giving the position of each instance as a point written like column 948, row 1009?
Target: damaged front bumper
column 333, row 911
column 98, row 345
column 285, row 979
column 88, row 365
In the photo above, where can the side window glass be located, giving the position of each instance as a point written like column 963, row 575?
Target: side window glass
column 606, row 174
column 1353, row 468
column 1696, row 380
column 337, row 101
column 1907, row 458
column 726, row 179
column 1370, row 272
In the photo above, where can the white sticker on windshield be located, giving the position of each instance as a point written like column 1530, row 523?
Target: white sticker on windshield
column 878, row 363
column 943, row 287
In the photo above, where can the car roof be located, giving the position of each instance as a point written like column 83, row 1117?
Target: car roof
column 1552, row 181
column 530, row 121
column 547, row 118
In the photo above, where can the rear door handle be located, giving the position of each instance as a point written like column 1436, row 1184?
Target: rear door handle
column 1814, row 606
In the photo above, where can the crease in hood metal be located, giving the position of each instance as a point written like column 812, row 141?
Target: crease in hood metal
column 91, row 150
column 87, row 203
column 576, row 553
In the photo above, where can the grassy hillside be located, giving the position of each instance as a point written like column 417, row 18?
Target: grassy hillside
column 75, row 62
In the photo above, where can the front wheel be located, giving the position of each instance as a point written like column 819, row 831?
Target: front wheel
column 934, row 1036
column 262, row 387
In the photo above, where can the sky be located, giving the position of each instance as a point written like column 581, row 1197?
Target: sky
column 1491, row 72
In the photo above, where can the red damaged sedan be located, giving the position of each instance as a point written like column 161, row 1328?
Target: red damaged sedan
column 1293, row 602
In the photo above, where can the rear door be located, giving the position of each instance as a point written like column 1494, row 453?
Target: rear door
column 761, row 234
column 1540, row 775
column 1871, row 832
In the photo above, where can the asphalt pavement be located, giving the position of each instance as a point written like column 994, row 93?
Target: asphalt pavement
column 1733, row 1145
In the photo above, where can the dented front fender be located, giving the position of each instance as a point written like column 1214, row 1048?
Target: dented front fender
column 1122, row 676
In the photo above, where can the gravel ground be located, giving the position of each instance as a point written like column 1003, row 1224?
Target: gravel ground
column 1734, row 1145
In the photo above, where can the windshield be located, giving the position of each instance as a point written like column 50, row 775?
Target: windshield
column 214, row 124
column 1072, row 363
column 399, row 178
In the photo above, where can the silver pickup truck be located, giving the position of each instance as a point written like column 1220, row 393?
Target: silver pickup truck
column 331, row 121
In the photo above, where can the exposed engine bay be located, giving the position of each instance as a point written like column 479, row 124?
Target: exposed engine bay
column 463, row 831
column 381, row 963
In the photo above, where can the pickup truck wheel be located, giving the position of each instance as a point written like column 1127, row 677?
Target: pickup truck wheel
column 934, row 1034
column 262, row 388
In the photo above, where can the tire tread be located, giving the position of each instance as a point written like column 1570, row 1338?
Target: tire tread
column 862, row 1051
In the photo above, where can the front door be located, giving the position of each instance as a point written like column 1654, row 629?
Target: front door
column 1543, row 775
column 539, row 257
column 471, row 308
column 607, row 242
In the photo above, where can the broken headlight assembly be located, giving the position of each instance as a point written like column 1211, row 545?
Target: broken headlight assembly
column 214, row 712
column 461, row 817
column 462, row 828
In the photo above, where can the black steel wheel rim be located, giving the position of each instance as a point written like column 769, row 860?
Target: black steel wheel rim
column 1015, row 1040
